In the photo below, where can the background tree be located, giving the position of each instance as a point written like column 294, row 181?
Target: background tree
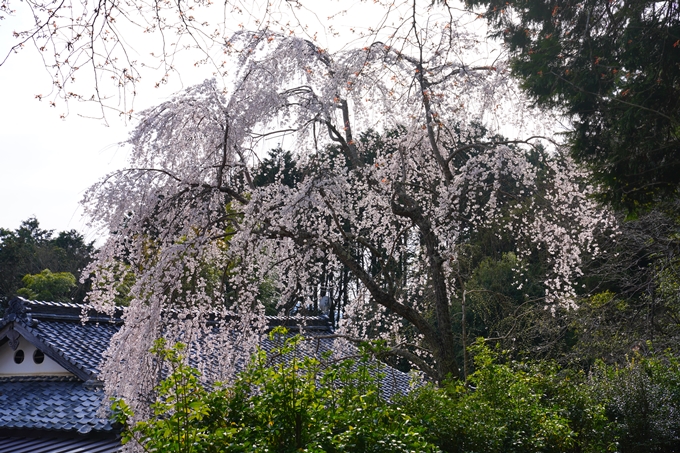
column 631, row 304
column 47, row 286
column 29, row 250
column 612, row 68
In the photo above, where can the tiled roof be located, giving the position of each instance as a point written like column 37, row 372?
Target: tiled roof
column 59, row 325
column 69, row 405
column 80, row 344
column 310, row 324
column 58, row 445
column 52, row 404
column 60, row 333
column 57, row 405
column 393, row 381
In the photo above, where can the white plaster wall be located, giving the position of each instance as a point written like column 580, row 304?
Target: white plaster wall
column 28, row 367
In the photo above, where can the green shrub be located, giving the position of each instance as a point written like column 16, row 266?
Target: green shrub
column 289, row 402
column 513, row 407
column 297, row 404
column 643, row 402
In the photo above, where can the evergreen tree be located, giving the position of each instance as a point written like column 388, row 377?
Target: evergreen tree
column 30, row 250
column 613, row 67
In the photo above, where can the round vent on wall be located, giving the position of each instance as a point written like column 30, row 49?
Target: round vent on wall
column 19, row 356
column 38, row 357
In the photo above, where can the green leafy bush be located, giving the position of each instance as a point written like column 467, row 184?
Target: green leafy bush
column 512, row 407
column 642, row 401
column 286, row 401
column 297, row 403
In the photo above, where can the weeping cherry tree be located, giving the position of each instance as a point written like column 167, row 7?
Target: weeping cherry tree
column 399, row 148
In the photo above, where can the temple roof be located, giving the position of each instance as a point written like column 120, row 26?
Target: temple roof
column 67, row 405
column 48, row 404
column 57, row 329
column 56, row 404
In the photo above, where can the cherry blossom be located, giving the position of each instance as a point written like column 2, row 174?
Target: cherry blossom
column 399, row 145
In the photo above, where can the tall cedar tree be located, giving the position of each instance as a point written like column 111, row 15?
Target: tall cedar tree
column 614, row 68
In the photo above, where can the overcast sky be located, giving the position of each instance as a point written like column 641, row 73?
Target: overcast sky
column 46, row 162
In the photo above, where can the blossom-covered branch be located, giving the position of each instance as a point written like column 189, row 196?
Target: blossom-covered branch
column 394, row 175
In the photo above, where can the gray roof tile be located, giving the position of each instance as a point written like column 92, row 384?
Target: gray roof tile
column 58, row 445
column 392, row 381
column 80, row 344
column 51, row 404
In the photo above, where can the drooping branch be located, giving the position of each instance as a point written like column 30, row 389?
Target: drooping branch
column 490, row 145
column 375, row 202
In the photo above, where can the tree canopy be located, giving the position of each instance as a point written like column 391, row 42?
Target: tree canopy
column 47, row 286
column 613, row 68
column 401, row 161
column 29, row 250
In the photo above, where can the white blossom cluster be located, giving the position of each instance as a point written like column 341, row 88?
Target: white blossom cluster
column 400, row 164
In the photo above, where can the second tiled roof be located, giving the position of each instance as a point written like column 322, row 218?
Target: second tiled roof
column 58, row 404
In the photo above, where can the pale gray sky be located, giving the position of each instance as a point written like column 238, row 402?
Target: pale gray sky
column 46, row 162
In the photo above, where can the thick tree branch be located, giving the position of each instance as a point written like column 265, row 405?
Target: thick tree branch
column 414, row 359
column 404, row 205
column 349, row 149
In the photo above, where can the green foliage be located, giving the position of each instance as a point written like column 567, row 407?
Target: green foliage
column 613, row 66
column 279, row 164
column 177, row 412
column 286, row 401
column 47, row 286
column 282, row 403
column 511, row 407
column 605, row 327
column 633, row 295
column 643, row 402
column 498, row 305
column 30, row 249
column 268, row 295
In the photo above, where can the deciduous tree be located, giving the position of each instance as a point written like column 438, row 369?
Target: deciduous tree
column 395, row 218
column 48, row 286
